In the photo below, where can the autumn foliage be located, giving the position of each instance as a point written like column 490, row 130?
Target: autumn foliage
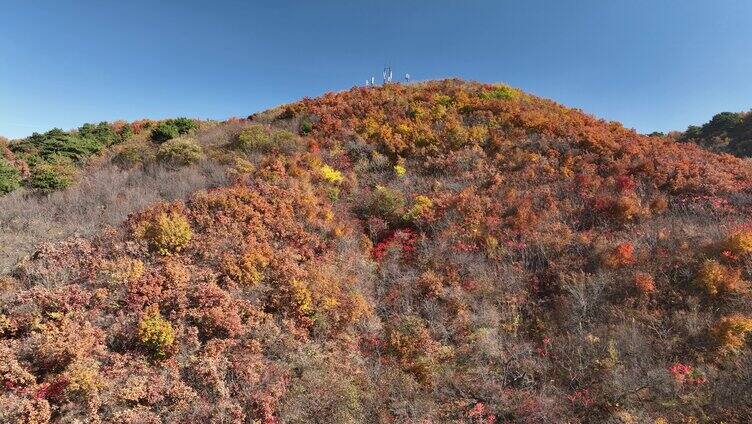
column 438, row 252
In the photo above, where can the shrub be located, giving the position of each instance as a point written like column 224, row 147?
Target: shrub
column 172, row 128
column 123, row 270
column 168, row 233
column 132, row 154
column 284, row 141
column 126, row 132
column 478, row 134
column 716, row 278
column 438, row 112
column 10, row 178
column 242, row 167
column 422, row 205
column 399, row 170
column 62, row 341
column 300, row 299
column 180, row 151
column 330, row 174
column 644, row 282
column 332, row 193
column 431, row 283
column 155, row 334
column 254, row 138
column 403, row 241
column 659, row 204
column 443, row 100
column 621, row 209
column 730, row 332
column 410, row 341
column 621, row 255
column 627, row 208
column 407, row 336
column 386, row 203
column 306, row 126
column 57, row 174
column 500, row 92
column 57, row 143
column 686, row 374
column 101, row 132
column 335, row 392
column 184, row 125
column 83, row 378
column 164, row 131
column 141, row 124
column 15, row 409
column 6, row 326
column 257, row 138
column 176, row 274
column 247, row 269
column 740, row 242
column 288, row 113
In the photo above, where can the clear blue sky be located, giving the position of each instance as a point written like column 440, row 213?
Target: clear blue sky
column 652, row 64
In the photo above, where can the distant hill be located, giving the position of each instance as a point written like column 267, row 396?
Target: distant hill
column 727, row 132
column 446, row 251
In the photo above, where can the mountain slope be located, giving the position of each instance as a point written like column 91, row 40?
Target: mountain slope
column 439, row 252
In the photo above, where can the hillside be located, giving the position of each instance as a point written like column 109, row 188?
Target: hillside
column 727, row 132
column 447, row 251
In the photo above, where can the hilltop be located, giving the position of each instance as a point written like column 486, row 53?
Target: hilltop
column 447, row 251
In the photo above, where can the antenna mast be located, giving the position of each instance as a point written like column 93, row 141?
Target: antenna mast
column 387, row 74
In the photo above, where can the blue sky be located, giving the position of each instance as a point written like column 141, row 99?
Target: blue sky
column 651, row 64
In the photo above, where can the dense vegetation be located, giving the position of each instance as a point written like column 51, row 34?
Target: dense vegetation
column 439, row 252
column 52, row 161
column 726, row 132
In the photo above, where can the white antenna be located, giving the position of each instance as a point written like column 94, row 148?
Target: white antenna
column 387, row 74
column 373, row 80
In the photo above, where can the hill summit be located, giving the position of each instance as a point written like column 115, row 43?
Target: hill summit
column 446, row 251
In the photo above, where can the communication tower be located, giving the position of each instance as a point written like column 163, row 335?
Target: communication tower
column 387, row 74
